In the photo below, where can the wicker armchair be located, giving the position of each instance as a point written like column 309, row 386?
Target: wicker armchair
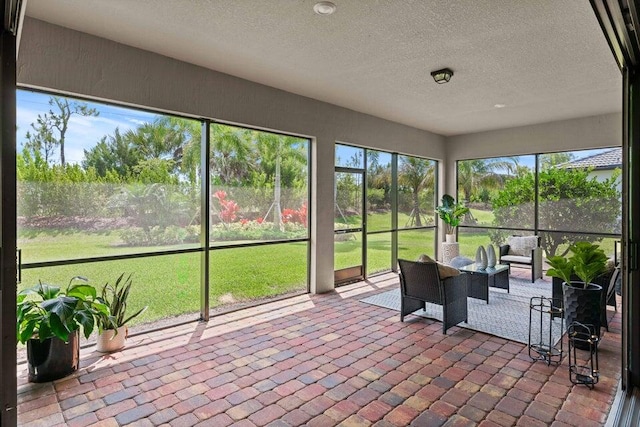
column 420, row 282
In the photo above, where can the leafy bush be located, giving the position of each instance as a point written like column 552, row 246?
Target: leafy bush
column 55, row 191
column 256, row 230
column 158, row 236
column 568, row 199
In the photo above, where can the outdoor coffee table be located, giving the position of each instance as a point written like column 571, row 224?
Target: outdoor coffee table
column 481, row 280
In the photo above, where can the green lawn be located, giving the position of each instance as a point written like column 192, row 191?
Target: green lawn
column 482, row 217
column 170, row 284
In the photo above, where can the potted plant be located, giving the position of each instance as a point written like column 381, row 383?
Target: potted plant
column 581, row 297
column 451, row 213
column 49, row 320
column 113, row 326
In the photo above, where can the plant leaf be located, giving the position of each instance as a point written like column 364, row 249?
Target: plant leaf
column 82, row 291
column 86, row 320
column 58, row 328
column 63, row 307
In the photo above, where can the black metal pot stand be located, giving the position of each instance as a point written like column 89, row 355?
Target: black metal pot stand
column 583, row 371
column 542, row 339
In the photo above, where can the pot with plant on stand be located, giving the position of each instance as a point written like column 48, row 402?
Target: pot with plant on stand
column 581, row 298
column 113, row 327
column 48, row 322
column 451, row 214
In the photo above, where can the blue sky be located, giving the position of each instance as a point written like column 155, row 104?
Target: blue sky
column 84, row 132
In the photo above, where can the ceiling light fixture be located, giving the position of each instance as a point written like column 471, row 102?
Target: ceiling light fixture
column 324, row 8
column 499, row 105
column 442, row 76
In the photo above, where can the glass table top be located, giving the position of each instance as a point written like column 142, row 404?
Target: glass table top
column 473, row 268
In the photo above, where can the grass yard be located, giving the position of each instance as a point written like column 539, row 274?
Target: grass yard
column 482, row 217
column 170, row 284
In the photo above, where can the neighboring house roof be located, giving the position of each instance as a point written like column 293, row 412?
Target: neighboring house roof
column 610, row 159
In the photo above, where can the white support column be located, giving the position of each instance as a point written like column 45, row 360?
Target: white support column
column 322, row 172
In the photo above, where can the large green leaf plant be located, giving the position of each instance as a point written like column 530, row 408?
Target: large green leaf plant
column 451, row 213
column 45, row 311
column 587, row 262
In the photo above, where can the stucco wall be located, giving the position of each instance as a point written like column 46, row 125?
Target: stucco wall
column 59, row 59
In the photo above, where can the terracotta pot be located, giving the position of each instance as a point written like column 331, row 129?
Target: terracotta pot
column 109, row 341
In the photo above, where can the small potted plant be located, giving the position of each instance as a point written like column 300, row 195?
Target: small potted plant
column 451, row 213
column 113, row 326
column 48, row 322
column 581, row 297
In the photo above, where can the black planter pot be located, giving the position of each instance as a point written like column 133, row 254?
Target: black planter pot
column 52, row 358
column 582, row 304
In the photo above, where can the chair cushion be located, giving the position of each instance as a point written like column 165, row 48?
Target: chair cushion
column 522, row 245
column 516, row 258
column 444, row 271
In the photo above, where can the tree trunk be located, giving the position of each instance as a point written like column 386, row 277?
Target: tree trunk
column 416, row 210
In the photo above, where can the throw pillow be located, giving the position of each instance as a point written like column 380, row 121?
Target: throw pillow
column 425, row 258
column 444, row 271
column 522, row 245
column 529, row 243
column 516, row 246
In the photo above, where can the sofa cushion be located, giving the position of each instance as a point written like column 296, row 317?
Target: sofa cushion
column 444, row 271
column 516, row 258
column 522, row 245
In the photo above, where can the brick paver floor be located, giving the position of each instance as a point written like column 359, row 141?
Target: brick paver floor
column 322, row 360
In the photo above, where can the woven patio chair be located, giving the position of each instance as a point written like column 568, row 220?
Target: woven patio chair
column 420, row 282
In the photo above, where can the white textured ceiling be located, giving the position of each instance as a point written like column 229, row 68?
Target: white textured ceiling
column 545, row 60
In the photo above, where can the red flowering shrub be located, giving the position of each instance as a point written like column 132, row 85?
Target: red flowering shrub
column 296, row 216
column 229, row 208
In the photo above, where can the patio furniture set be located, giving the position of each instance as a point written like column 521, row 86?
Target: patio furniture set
column 426, row 280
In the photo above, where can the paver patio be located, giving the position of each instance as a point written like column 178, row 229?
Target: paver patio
column 322, row 360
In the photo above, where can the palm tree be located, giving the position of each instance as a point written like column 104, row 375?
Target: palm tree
column 416, row 174
column 277, row 152
column 230, row 149
column 187, row 155
column 156, row 140
column 483, row 173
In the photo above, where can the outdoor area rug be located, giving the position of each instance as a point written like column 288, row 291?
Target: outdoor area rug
column 506, row 315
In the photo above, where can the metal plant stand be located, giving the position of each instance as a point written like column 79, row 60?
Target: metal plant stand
column 542, row 311
column 586, row 338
